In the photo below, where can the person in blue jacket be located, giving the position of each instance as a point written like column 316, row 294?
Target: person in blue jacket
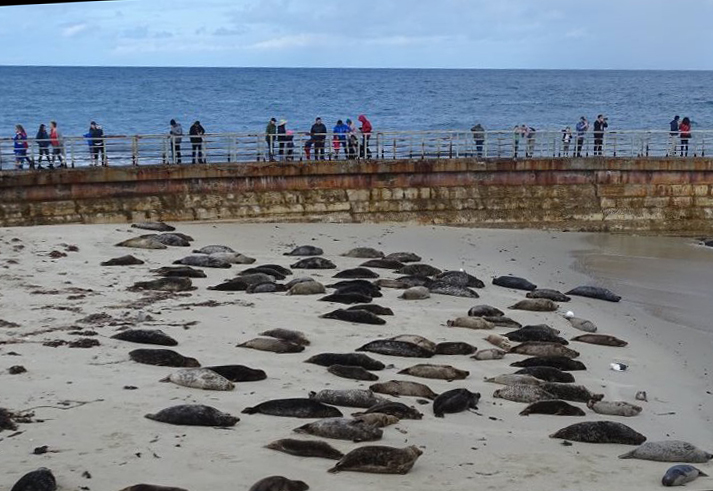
column 20, row 147
column 340, row 138
column 95, row 140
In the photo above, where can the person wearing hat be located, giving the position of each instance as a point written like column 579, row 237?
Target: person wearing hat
column 196, row 134
column 599, row 126
column 176, row 133
column 270, row 135
column 581, row 128
column 281, row 137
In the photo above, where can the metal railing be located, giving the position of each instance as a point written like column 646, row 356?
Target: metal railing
column 386, row 145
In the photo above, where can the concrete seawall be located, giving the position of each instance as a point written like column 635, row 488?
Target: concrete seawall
column 657, row 195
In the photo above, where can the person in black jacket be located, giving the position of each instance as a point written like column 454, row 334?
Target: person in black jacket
column 43, row 142
column 319, row 135
column 599, row 125
column 196, row 134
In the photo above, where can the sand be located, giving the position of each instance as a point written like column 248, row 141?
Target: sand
column 97, row 437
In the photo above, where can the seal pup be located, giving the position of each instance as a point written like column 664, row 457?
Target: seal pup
column 146, row 336
column 489, row 354
column 382, row 264
column 553, row 295
column 152, row 487
column 162, row 358
column 378, row 419
column 199, row 378
column 553, row 407
column 155, row 226
column 239, row 373
column 314, row 263
column 363, row 253
column 167, row 284
column 547, row 374
column 540, row 348
column 142, row 243
column 535, row 305
column 184, row 271
column 455, row 401
column 373, row 308
column 306, row 448
column 485, row 311
column 669, row 451
column 523, row 393
column 379, row 459
column 193, row 415
column 279, row 346
column 211, row 249
column 356, row 273
column 128, row 260
column 352, row 372
column 419, row 270
column 393, row 408
column 41, row 479
column 514, row 379
column 396, row 348
column 348, row 298
column 470, row 323
column 294, row 408
column 349, row 359
column 296, row 337
column 582, row 324
column 305, row 250
column 342, row 429
column 279, row 483
column 595, row 292
column 600, row 339
column 398, row 388
column 514, row 282
column 455, row 348
column 443, row 372
column 571, row 392
column 359, row 316
column 416, row 293
column 203, row 262
column 600, row 432
column 498, row 340
column 361, row 398
column 678, row 475
column 562, row 363
column 404, row 257
column 614, row 408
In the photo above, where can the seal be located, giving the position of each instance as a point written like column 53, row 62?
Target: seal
column 382, row 264
column 280, row 269
column 614, row 408
column 347, row 284
column 278, row 483
column 539, row 348
column 242, row 283
column 300, row 279
column 200, row 378
column 267, row 287
column 600, row 432
column 349, row 359
column 342, row 429
column 175, row 240
column 679, row 475
column 523, row 393
column 571, row 392
column 232, row 257
column 582, row 324
column 396, row 348
column 410, row 281
column 455, row 348
column 294, row 408
column 314, row 263
column 379, row 459
column 363, row 253
column 305, row 250
column 398, row 388
column 595, row 292
column 152, row 487
column 485, row 311
column 389, row 283
column 373, row 308
column 416, row 293
column 239, row 373
column 600, row 339
column 535, row 333
column 553, row 407
column 358, row 316
column 210, row 249
column 398, row 409
column 419, row 270
column 356, row 273
column 167, row 284
column 470, row 323
column 128, row 260
column 348, row 298
column 194, row 415
column 296, row 337
column 404, row 257
column 547, row 374
column 146, row 336
column 203, row 262
column 669, row 451
column 443, row 372
column 378, row 419
column 560, row 362
column 365, row 289
column 276, row 275
column 351, row 398
column 306, row 448
column 459, row 278
column 455, row 401
column 142, row 243
column 162, row 358
column 442, row 288
column 514, row 379
column 535, row 305
column 274, row 345
column 181, row 271
column 553, row 295
column 156, row 226
column 489, row 354
column 41, row 479
column 352, row 372
column 502, row 321
column 424, row 343
column 500, row 341
column 514, row 282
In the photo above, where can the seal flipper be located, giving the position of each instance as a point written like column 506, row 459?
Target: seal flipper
column 628, row 455
column 249, row 410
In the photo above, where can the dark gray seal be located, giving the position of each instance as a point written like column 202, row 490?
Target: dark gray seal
column 554, row 407
column 278, row 483
column 442, row 288
column 396, row 348
column 679, row 475
column 412, row 280
column 460, row 278
column 560, row 362
column 232, row 285
column 392, row 408
column 181, row 271
column 444, row 372
column 162, row 358
column 373, row 308
column 595, row 292
column 533, row 333
column 210, row 249
column 379, row 459
column 152, row 487
column 352, row 372
column 277, row 275
column 356, row 273
column 169, row 239
column 155, row 226
column 514, row 282
column 372, row 291
column 122, row 261
column 485, row 311
column 548, row 374
column 314, row 263
column 382, row 264
column 542, row 348
column 273, row 345
column 41, row 479
column 306, row 250
column 404, row 257
column 142, row 243
column 361, row 398
column 455, row 348
column 267, row 287
column 292, row 336
column 358, row 316
column 306, row 448
column 502, row 321
column 239, row 373
column 455, row 401
column 600, row 339
column 553, row 295
column 349, row 359
column 342, row 429
column 363, row 253
column 294, row 408
column 600, row 432
column 535, row 305
column 348, row 298
column 571, row 392
column 194, row 415
column 203, row 262
column 419, row 270
column 146, row 336
column 167, row 284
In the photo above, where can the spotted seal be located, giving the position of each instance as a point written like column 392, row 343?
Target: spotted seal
column 416, row 293
column 169, row 239
column 419, row 270
column 523, row 393
column 455, row 401
column 194, row 415
column 146, row 336
column 553, row 407
column 600, row 432
column 306, row 448
column 156, row 226
column 314, row 263
column 421, row 341
column 614, row 408
column 514, row 282
column 294, row 408
column 279, row 346
column 290, row 335
column 40, row 479
column 553, row 295
column 275, row 274
column 600, row 339
column 379, row 459
column 305, row 250
column 498, row 340
column 393, row 408
column 403, row 388
column 279, row 483
column 267, row 287
column 595, row 292
column 582, row 324
column 535, row 305
column 210, row 249
column 444, row 372
column 203, row 261
column 363, row 253
column 540, row 348
column 442, row 288
column 143, row 242
column 162, row 358
column 359, row 316
column 342, row 429
column 231, row 257
column 547, row 374
column 484, row 311
column 669, row 451
column 514, row 379
column 351, row 398
column 571, row 392
column 489, row 354
column 200, row 378
column 470, row 323
column 128, row 260
column 378, row 419
column 404, row 257
column 532, row 333
column 460, row 278
column 503, row 321
column 396, row 348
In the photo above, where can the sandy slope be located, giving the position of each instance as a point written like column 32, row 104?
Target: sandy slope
column 101, row 429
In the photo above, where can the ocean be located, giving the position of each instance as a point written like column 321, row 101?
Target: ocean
column 143, row 100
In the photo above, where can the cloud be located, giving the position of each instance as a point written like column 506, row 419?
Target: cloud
column 74, row 30
column 289, row 42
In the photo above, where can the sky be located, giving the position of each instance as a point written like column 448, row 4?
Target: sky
column 499, row 34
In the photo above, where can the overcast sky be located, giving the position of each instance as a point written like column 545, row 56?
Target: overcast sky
column 582, row 34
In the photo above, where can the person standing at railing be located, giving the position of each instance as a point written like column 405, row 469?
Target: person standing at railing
column 673, row 135
column 176, row 135
column 685, row 131
column 479, row 137
column 340, row 137
column 318, row 132
column 196, row 133
column 352, row 140
column 281, row 137
column 581, row 128
column 566, row 139
column 599, row 126
column 529, row 134
column 95, row 140
column 20, row 147
column 57, row 144
column 270, row 136
column 43, row 143
column 365, row 129
column 516, row 136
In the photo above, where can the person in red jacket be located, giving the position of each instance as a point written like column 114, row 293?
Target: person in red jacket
column 684, row 131
column 366, row 136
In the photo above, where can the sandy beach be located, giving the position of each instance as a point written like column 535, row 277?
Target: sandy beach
column 98, row 439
